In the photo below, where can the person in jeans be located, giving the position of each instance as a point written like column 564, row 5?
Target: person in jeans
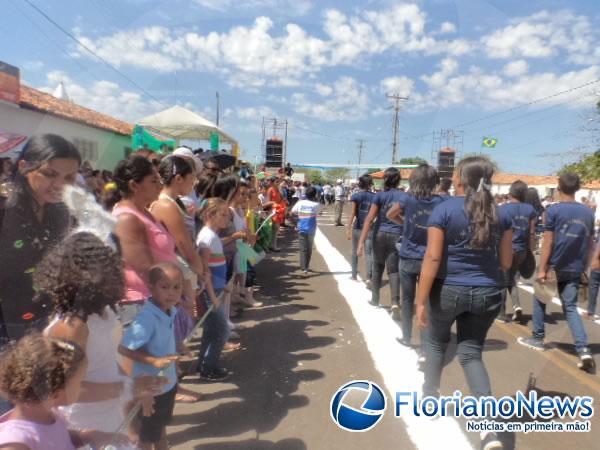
column 468, row 243
column 216, row 216
column 307, row 211
column 361, row 203
column 413, row 211
column 524, row 218
column 340, row 200
column 594, row 284
column 568, row 240
column 386, row 235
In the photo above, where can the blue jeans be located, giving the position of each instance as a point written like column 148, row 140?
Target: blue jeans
column 474, row 310
column 368, row 253
column 306, row 246
column 568, row 286
column 410, row 270
column 385, row 254
column 593, row 291
column 214, row 336
column 510, row 279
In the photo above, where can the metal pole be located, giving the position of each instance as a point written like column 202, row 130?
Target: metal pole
column 397, row 98
column 218, row 107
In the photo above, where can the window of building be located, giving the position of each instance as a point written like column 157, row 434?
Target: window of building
column 88, row 149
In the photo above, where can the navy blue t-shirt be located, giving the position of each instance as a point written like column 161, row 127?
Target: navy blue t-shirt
column 385, row 200
column 521, row 215
column 416, row 214
column 573, row 225
column 363, row 200
column 463, row 265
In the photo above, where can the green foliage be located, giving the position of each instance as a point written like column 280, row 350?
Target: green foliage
column 339, row 172
column 313, row 176
column 588, row 167
column 412, row 160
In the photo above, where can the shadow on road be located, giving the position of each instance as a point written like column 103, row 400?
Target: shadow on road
column 266, row 374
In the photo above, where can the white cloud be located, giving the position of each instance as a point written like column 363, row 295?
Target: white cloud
column 447, row 28
column 252, row 113
column 448, row 67
column 543, row 35
column 490, row 91
column 289, row 7
column 248, row 56
column 401, row 85
column 103, row 96
column 348, row 100
column 33, row 66
column 516, row 68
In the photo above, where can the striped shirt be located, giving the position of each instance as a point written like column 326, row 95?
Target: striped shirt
column 307, row 211
column 217, row 263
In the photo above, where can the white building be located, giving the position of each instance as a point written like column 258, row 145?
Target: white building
column 101, row 139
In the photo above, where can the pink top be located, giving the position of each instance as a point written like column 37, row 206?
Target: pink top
column 162, row 247
column 36, row 436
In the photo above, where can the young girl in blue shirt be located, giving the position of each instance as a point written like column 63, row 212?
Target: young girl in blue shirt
column 468, row 244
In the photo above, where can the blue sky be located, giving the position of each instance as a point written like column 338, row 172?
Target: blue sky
column 326, row 66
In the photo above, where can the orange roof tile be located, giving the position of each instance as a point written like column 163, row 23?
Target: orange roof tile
column 40, row 101
column 532, row 180
column 404, row 173
column 592, row 185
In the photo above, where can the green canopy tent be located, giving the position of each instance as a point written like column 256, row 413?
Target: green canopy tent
column 144, row 139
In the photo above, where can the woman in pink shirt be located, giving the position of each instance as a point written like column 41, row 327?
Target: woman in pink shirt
column 144, row 241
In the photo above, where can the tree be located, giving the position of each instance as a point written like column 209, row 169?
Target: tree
column 412, row 160
column 337, row 173
column 314, row 176
column 588, row 167
column 483, row 155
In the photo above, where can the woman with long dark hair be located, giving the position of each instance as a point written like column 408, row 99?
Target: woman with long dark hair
column 144, row 240
column 385, row 237
column 413, row 210
column 524, row 218
column 468, row 246
column 35, row 219
column 361, row 204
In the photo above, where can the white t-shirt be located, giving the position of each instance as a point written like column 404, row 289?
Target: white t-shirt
column 340, row 193
column 327, row 190
column 207, row 238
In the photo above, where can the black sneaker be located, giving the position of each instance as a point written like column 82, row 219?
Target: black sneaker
column 533, row 343
column 490, row 441
column 586, row 361
column 517, row 315
column 217, row 374
column 404, row 342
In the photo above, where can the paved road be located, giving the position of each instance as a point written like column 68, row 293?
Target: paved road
column 316, row 334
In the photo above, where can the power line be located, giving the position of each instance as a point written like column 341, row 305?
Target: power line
column 517, row 107
column 89, row 50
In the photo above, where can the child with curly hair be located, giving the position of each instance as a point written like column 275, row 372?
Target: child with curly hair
column 83, row 280
column 38, row 374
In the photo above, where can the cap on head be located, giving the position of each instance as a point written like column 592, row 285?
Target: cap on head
column 185, row 152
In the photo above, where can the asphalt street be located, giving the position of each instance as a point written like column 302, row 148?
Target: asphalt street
column 316, row 334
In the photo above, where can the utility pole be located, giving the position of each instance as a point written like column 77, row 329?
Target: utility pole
column 361, row 144
column 218, row 105
column 397, row 99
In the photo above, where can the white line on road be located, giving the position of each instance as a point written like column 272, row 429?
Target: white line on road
column 396, row 364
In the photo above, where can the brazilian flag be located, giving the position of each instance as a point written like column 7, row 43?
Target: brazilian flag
column 489, row 142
